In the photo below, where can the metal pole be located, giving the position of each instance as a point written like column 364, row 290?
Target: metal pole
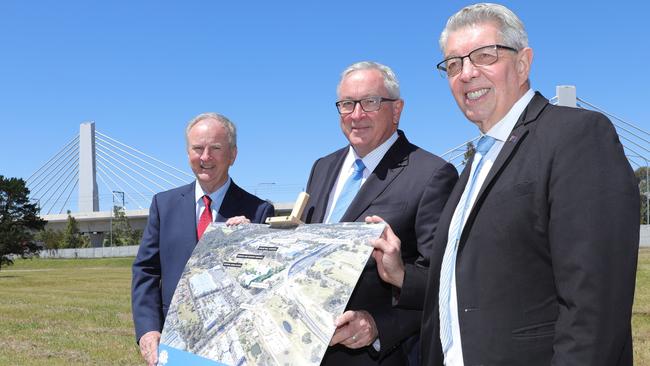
column 647, row 194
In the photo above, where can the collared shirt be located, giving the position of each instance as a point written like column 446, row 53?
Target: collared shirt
column 500, row 132
column 371, row 160
column 216, row 197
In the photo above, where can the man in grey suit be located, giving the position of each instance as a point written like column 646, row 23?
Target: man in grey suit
column 405, row 184
column 535, row 258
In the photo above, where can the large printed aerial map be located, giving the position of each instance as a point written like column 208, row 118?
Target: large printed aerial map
column 252, row 295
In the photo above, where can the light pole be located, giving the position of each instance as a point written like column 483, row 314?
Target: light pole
column 115, row 194
column 259, row 186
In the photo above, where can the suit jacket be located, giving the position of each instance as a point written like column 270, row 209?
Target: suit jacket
column 408, row 189
column 546, row 261
column 167, row 243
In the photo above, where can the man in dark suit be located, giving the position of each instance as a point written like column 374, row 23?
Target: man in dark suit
column 405, row 184
column 177, row 219
column 535, row 258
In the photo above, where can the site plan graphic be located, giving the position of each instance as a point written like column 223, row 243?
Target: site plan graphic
column 253, row 295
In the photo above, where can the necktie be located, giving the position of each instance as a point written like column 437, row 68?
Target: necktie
column 350, row 189
column 456, row 228
column 206, row 217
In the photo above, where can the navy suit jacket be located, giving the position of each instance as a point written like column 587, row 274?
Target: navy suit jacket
column 408, row 189
column 546, row 263
column 167, row 243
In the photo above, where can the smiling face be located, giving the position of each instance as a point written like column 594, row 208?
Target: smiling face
column 367, row 130
column 210, row 153
column 485, row 94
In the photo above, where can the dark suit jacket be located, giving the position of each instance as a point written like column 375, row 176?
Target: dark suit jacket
column 167, row 243
column 547, row 259
column 408, row 189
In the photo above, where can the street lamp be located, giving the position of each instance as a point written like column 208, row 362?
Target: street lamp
column 115, row 194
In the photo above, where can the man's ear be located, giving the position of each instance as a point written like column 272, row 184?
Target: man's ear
column 233, row 155
column 524, row 62
column 398, row 106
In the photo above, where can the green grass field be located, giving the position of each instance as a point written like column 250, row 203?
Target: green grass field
column 77, row 312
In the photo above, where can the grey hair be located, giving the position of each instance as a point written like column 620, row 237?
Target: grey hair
column 511, row 28
column 390, row 80
column 231, row 130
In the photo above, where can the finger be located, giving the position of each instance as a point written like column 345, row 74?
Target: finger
column 373, row 219
column 346, row 317
column 153, row 359
column 340, row 336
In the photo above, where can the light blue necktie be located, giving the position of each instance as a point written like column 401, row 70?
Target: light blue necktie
column 449, row 259
column 350, row 189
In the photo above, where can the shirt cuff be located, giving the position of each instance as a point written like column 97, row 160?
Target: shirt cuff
column 376, row 345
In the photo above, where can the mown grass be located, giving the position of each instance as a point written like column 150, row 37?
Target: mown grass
column 77, row 312
column 67, row 312
column 641, row 310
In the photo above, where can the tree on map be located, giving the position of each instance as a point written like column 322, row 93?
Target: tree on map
column 18, row 221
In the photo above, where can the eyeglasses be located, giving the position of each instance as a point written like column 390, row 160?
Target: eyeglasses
column 370, row 104
column 482, row 56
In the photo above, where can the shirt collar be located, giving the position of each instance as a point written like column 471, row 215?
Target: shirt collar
column 216, row 196
column 372, row 159
column 502, row 129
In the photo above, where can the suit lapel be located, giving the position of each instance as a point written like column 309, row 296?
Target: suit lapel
column 187, row 213
column 230, row 202
column 322, row 198
column 390, row 166
column 518, row 134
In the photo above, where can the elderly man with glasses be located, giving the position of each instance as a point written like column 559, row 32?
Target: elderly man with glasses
column 379, row 173
column 535, row 257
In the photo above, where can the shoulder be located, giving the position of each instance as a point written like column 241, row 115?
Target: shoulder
column 332, row 157
column 560, row 123
column 244, row 197
column 174, row 193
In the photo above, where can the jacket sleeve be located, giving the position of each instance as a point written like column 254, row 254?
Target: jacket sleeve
column 146, row 294
column 593, row 212
column 400, row 323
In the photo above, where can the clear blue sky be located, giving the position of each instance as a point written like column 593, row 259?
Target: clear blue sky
column 142, row 69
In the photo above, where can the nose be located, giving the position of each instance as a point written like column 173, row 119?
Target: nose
column 205, row 154
column 468, row 71
column 357, row 112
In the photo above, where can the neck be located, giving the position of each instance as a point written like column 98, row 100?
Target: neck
column 212, row 187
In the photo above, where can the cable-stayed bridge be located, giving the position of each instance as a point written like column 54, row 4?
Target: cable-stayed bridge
column 94, row 170
column 92, row 160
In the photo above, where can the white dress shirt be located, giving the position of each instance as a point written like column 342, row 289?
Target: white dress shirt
column 216, row 197
column 500, row 132
column 371, row 160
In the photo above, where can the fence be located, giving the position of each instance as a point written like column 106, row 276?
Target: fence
column 106, row 252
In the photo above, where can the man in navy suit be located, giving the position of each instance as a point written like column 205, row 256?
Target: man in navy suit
column 535, row 258
column 406, row 185
column 177, row 219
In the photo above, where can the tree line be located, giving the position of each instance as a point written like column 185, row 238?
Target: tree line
column 23, row 233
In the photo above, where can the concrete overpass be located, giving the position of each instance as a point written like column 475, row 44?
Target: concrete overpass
column 98, row 225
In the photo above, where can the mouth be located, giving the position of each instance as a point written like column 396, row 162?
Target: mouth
column 476, row 94
column 359, row 128
column 203, row 166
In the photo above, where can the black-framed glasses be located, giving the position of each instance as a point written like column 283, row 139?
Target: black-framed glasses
column 482, row 56
column 369, row 104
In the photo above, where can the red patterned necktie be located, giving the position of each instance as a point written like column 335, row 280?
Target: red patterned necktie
column 206, row 217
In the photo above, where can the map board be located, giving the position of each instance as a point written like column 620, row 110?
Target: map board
column 252, row 295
